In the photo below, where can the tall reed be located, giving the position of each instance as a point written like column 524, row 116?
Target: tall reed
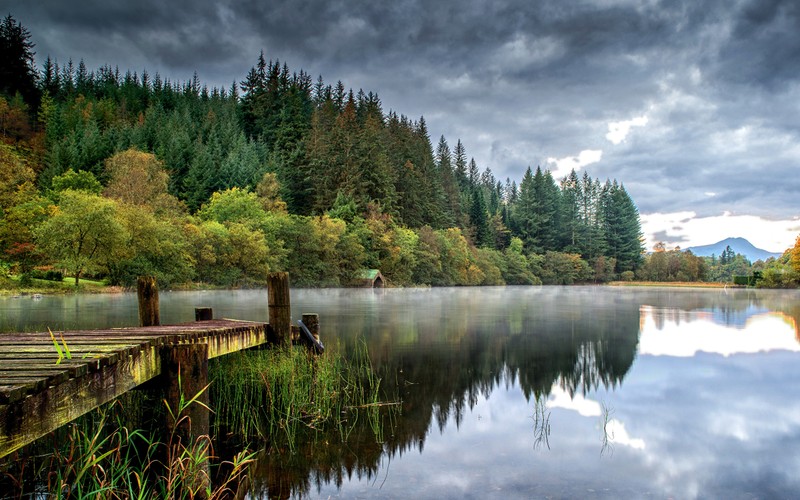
column 280, row 392
column 99, row 457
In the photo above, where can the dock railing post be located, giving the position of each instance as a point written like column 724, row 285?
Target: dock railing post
column 280, row 319
column 147, row 292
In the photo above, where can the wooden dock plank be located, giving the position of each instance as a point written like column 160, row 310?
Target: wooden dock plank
column 51, row 376
column 75, row 368
column 104, row 364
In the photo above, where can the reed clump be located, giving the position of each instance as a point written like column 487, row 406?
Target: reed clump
column 280, row 392
column 99, row 456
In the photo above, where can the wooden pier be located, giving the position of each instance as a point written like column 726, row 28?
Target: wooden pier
column 48, row 379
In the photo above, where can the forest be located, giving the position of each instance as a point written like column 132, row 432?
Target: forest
column 112, row 175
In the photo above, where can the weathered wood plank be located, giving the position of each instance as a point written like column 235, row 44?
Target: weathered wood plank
column 67, row 401
column 33, row 384
column 75, row 368
column 52, row 377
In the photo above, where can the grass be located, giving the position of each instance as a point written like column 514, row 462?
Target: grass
column 12, row 285
column 281, row 393
column 100, row 456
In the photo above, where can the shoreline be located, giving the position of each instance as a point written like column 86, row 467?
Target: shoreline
column 675, row 284
column 67, row 289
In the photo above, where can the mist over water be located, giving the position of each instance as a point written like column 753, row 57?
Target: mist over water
column 526, row 392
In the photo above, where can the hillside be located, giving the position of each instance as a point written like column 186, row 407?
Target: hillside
column 738, row 245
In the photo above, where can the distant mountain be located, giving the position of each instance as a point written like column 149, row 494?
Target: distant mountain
column 738, row 245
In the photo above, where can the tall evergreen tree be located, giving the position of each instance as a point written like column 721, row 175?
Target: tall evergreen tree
column 451, row 202
column 460, row 167
column 17, row 66
column 479, row 220
column 570, row 210
column 473, row 174
column 622, row 229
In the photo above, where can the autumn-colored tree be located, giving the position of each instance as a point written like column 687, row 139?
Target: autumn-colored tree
column 268, row 192
column 794, row 257
column 139, row 178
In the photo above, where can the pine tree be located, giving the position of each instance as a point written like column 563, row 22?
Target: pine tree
column 473, row 174
column 479, row 220
column 17, row 66
column 622, row 229
column 524, row 214
column 460, row 167
column 451, row 202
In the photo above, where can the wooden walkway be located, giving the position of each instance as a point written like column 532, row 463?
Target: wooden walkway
column 39, row 393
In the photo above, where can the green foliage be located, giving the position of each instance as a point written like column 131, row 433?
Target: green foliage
column 82, row 234
column 517, row 270
column 17, row 71
column 729, row 264
column 76, row 181
column 234, row 205
column 781, row 272
column 309, row 178
column 673, row 265
column 564, row 269
column 230, row 254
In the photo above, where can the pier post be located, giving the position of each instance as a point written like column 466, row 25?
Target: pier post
column 147, row 292
column 280, row 320
column 184, row 373
column 203, row 314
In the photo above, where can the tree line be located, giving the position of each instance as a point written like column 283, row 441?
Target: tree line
column 674, row 264
column 114, row 174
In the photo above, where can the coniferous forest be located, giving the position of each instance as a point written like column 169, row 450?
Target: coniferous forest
column 114, row 174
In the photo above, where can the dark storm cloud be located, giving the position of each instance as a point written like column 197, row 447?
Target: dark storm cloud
column 519, row 81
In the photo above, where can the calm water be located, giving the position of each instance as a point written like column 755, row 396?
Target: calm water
column 533, row 392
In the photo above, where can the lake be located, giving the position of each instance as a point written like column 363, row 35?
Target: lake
column 534, row 392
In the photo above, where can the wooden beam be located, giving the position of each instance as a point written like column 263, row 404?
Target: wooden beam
column 26, row 420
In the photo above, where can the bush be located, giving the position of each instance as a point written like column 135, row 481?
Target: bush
column 49, row 275
column 744, row 280
column 53, row 275
column 626, row 276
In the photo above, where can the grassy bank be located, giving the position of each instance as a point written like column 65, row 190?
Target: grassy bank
column 13, row 285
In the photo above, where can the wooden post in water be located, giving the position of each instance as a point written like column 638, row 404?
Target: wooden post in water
column 280, row 320
column 203, row 314
column 312, row 323
column 147, row 292
column 184, row 372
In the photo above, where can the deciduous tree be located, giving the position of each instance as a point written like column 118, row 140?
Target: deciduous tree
column 82, row 233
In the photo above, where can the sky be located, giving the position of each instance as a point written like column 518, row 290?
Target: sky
column 693, row 106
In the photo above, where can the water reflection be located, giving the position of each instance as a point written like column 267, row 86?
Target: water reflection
column 674, row 332
column 529, row 392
